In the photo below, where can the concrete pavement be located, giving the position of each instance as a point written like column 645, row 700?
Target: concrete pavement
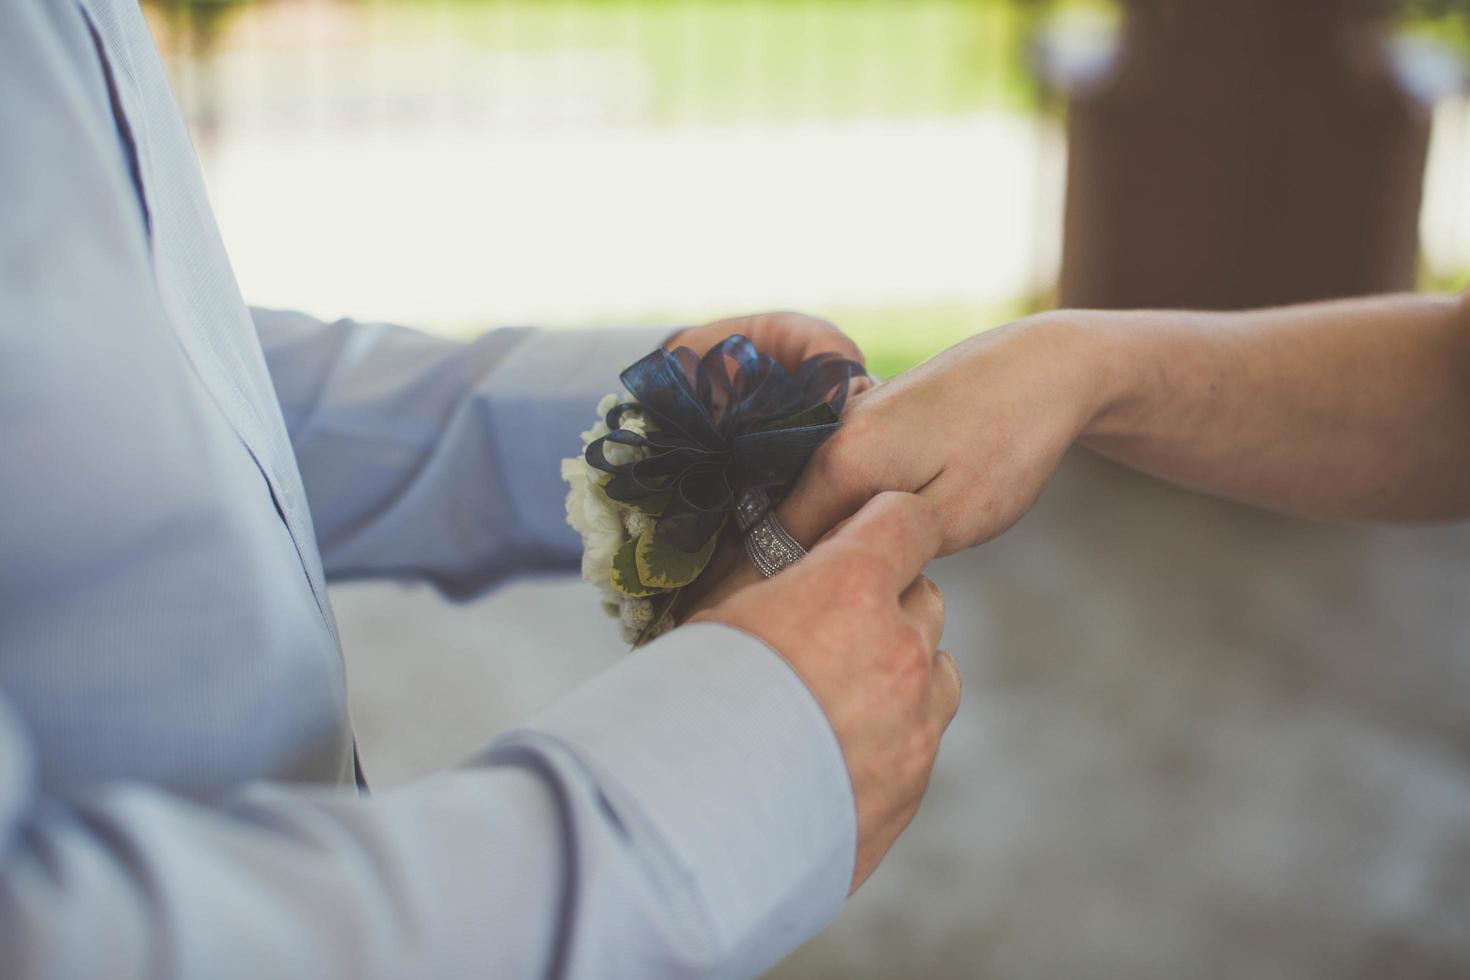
column 1196, row 741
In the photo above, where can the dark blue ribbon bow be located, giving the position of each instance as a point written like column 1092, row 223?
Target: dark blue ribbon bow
column 713, row 432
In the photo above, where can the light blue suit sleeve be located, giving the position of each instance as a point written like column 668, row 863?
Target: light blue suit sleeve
column 579, row 846
column 435, row 458
column 169, row 679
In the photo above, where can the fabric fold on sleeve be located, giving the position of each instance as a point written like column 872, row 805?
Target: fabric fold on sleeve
column 724, row 775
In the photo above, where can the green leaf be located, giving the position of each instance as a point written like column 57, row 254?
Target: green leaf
column 816, row 415
column 625, row 576
column 665, row 566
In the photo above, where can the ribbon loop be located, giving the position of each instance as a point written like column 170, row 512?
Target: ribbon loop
column 713, row 431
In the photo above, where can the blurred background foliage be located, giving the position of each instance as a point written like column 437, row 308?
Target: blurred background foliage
column 1451, row 17
column 920, row 142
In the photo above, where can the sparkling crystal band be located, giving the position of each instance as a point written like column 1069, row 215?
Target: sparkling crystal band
column 766, row 542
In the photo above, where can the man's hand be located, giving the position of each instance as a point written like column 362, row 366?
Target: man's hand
column 861, row 626
column 788, row 337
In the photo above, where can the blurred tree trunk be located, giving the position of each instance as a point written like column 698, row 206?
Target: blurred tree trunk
column 1242, row 153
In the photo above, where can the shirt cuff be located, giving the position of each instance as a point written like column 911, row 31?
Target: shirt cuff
column 541, row 397
column 731, row 761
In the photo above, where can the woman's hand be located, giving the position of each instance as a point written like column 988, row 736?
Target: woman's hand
column 1347, row 410
column 975, row 432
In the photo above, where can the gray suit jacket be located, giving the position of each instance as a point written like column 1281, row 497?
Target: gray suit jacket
column 179, row 480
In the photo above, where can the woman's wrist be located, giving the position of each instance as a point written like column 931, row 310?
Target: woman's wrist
column 1096, row 370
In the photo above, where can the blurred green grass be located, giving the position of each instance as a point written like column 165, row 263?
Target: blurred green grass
column 1445, row 20
column 895, row 340
column 723, row 61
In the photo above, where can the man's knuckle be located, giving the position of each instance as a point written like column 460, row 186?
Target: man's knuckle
column 933, row 734
column 956, row 684
column 868, row 579
column 920, row 749
column 911, row 650
column 851, row 580
column 933, row 598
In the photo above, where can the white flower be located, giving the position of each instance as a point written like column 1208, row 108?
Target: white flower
column 593, row 515
column 604, row 524
column 636, row 522
column 635, row 615
column 597, row 519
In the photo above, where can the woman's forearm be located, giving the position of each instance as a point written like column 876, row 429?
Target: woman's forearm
column 1356, row 409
